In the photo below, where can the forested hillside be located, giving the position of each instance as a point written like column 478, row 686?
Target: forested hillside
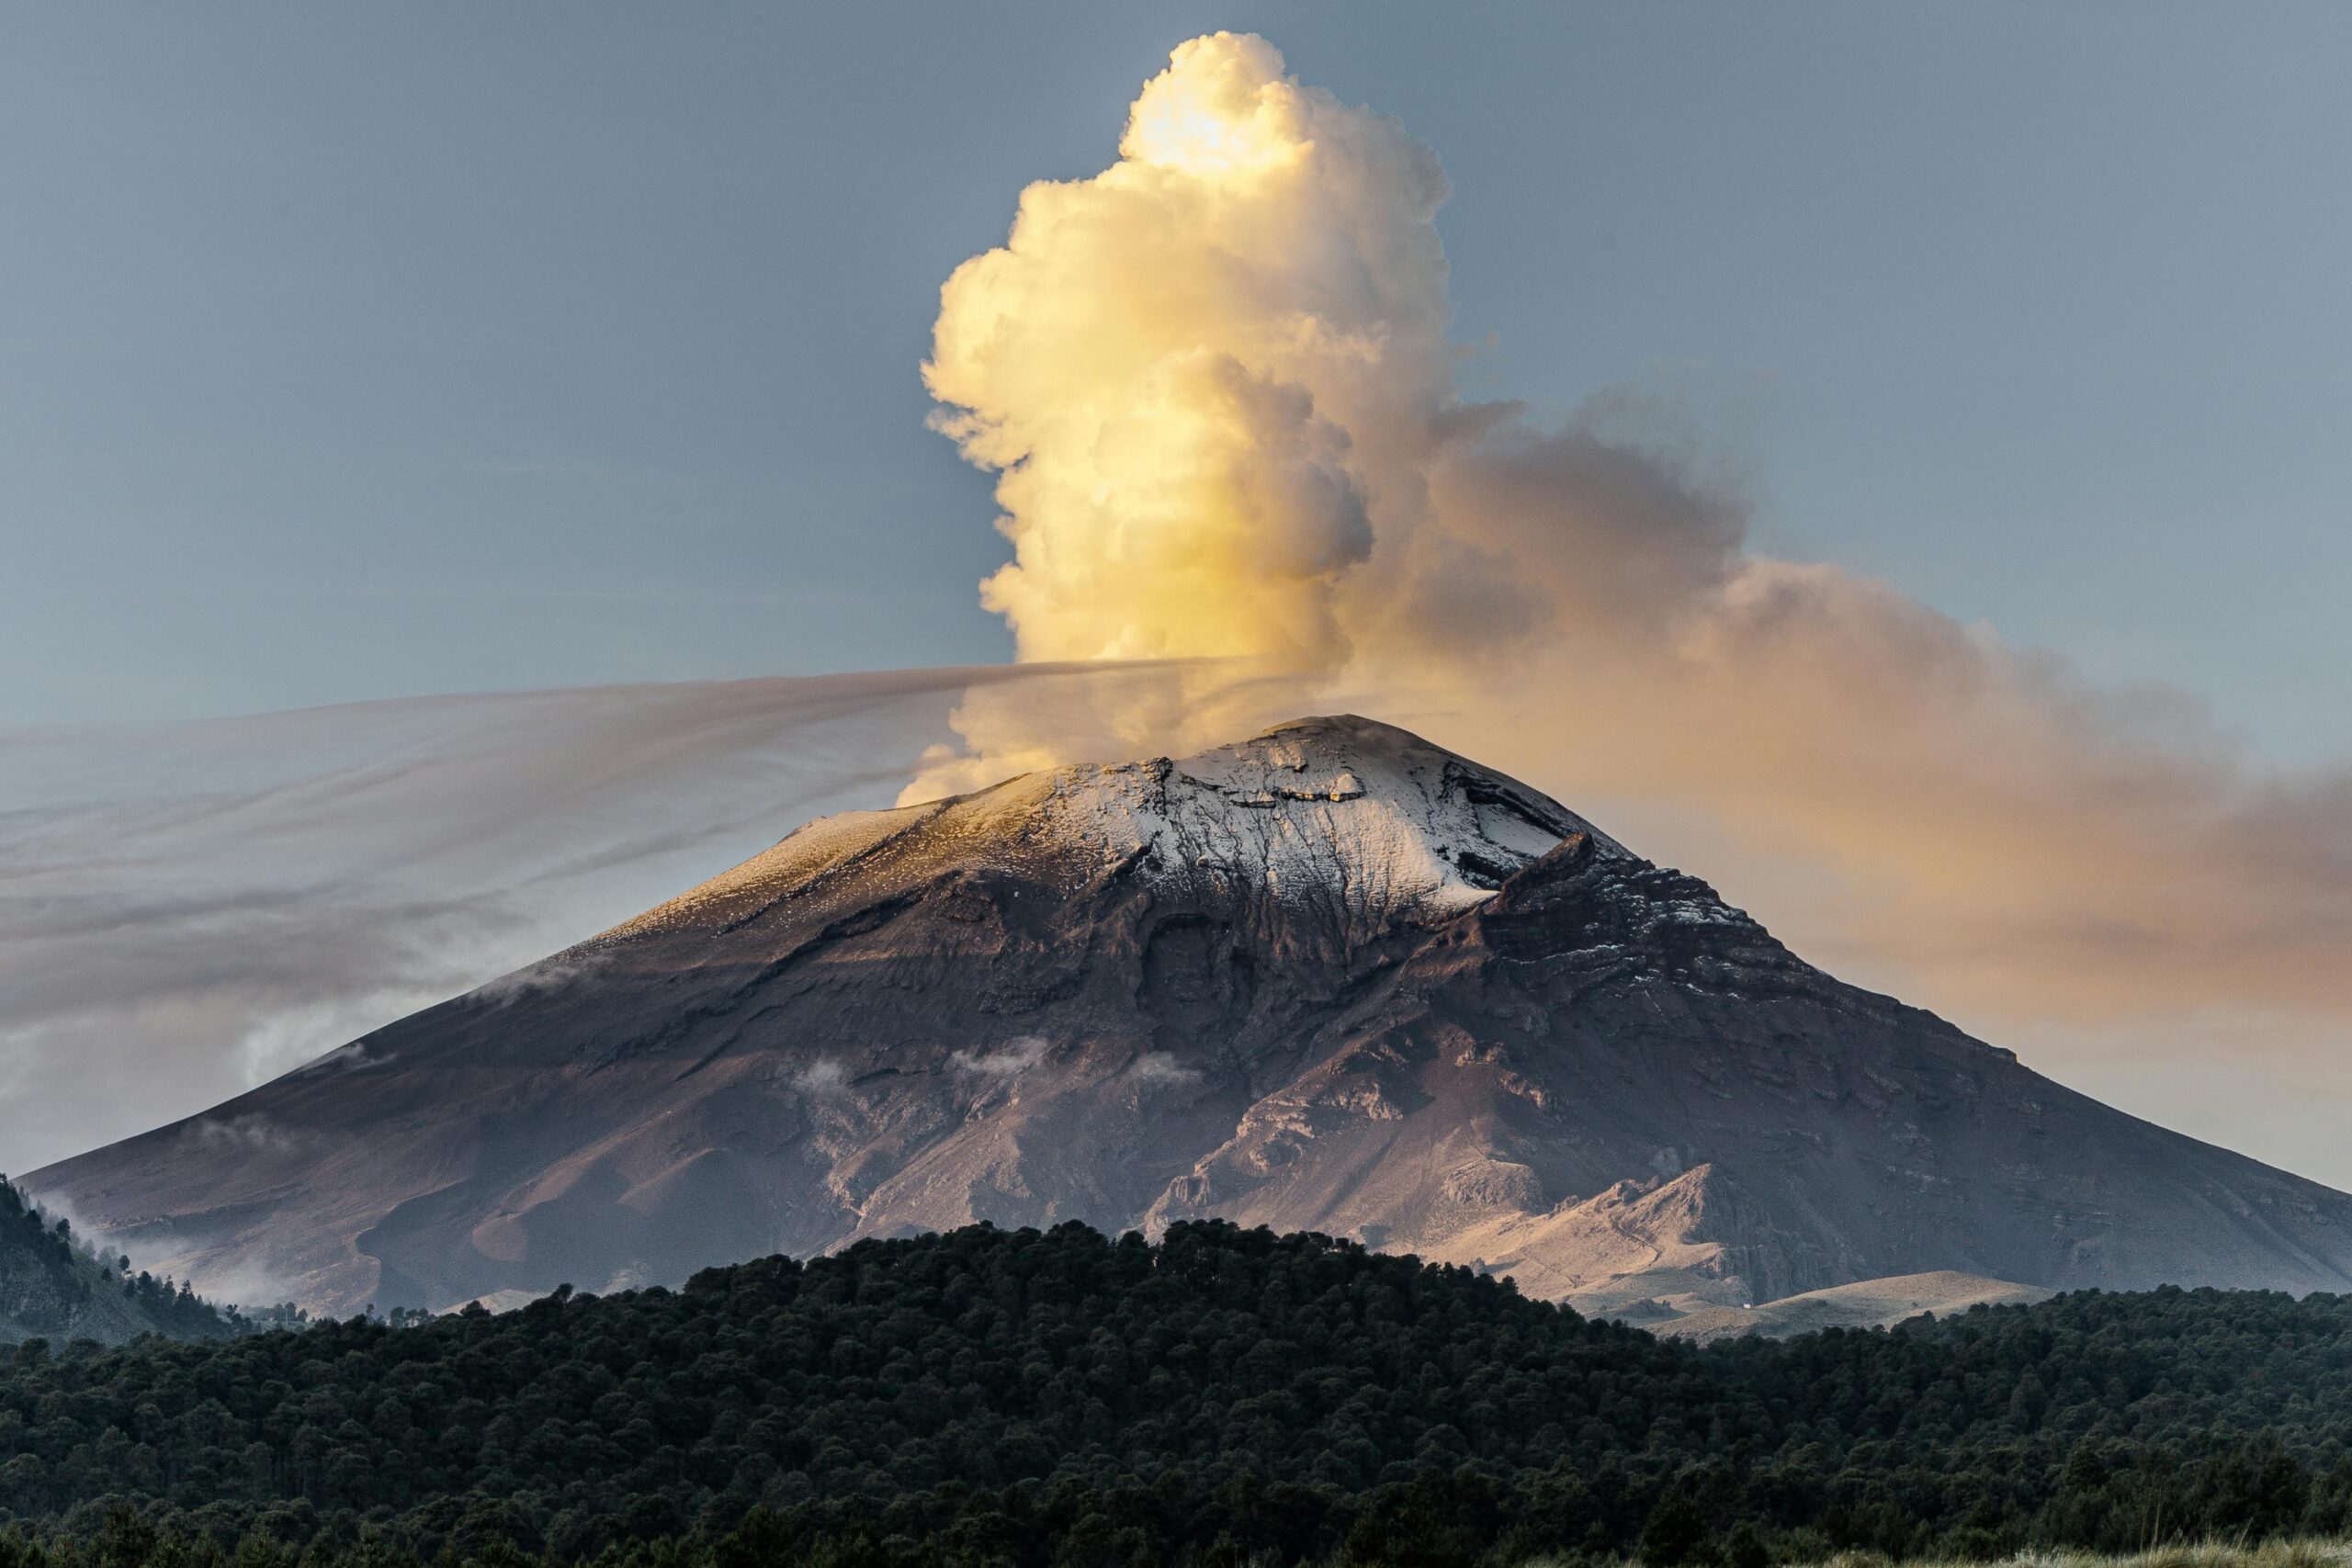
column 54, row 1286
column 988, row 1396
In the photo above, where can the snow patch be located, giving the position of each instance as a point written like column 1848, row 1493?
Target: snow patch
column 1330, row 810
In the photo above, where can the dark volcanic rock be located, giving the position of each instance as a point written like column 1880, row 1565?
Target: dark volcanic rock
column 1330, row 979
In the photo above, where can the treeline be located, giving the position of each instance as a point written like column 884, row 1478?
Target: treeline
column 52, row 1284
column 1226, row 1397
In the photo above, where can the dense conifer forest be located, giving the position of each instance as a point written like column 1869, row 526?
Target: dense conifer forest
column 54, row 1285
column 1225, row 1397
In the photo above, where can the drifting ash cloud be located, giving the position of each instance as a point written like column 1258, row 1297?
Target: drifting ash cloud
column 187, row 910
column 1215, row 382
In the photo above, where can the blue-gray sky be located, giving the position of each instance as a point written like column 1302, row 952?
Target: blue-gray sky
column 350, row 354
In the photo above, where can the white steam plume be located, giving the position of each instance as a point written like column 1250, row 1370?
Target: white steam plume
column 1216, row 383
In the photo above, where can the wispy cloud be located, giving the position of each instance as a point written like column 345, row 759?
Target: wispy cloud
column 1009, row 1060
column 186, row 910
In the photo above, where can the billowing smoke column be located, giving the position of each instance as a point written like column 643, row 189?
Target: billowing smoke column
column 1215, row 382
column 1189, row 368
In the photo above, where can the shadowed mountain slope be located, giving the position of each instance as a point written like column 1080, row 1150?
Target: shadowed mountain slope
column 1330, row 979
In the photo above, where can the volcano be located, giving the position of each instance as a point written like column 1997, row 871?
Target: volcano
column 1330, row 979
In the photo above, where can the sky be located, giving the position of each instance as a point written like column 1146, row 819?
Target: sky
column 471, row 348
column 352, row 356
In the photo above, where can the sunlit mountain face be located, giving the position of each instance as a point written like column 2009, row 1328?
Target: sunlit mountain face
column 1331, row 978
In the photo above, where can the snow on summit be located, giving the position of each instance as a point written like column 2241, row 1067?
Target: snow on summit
column 1361, row 817
column 1320, row 807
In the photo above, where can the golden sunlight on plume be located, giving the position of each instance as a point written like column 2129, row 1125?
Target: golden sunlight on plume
column 1173, row 363
column 1223, row 110
column 1215, row 384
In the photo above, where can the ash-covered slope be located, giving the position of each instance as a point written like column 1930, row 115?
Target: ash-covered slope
column 1332, row 977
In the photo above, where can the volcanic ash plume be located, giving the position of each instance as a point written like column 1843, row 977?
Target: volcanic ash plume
column 1216, row 382
column 1186, row 367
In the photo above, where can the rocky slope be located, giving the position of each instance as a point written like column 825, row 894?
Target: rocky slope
column 1330, row 979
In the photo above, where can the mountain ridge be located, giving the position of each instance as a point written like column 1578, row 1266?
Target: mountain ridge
column 1332, row 977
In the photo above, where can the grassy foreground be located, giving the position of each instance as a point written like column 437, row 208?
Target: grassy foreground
column 2208, row 1554
column 127, row 1543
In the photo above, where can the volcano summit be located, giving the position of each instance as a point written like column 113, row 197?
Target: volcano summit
column 1330, row 979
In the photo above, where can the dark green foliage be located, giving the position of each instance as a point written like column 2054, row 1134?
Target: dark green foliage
column 1228, row 1397
column 1676, row 1534
column 52, row 1285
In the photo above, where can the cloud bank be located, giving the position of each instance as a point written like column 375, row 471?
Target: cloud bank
column 1216, row 382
